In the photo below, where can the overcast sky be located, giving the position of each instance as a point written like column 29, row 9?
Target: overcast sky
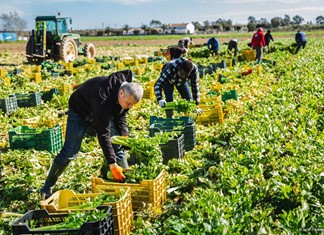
column 97, row 14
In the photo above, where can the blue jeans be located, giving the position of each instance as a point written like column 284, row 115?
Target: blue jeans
column 183, row 89
column 75, row 130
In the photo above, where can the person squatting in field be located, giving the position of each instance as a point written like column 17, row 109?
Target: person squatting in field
column 177, row 73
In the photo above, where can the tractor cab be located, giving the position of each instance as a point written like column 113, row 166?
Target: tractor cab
column 52, row 39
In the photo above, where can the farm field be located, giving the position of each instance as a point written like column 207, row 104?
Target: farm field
column 256, row 169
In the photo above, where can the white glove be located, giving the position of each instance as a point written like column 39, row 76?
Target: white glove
column 199, row 111
column 162, row 103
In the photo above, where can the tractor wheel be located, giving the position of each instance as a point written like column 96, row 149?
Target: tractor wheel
column 68, row 50
column 89, row 51
column 30, row 52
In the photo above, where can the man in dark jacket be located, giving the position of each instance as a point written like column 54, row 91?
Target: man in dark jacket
column 176, row 73
column 268, row 37
column 102, row 102
column 301, row 40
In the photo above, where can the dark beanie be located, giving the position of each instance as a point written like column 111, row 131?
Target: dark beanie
column 187, row 66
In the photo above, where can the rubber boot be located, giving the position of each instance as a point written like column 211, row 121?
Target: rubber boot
column 169, row 113
column 55, row 172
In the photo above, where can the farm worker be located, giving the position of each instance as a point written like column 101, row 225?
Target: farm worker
column 177, row 73
column 185, row 42
column 102, row 102
column 257, row 43
column 233, row 45
column 213, row 45
column 268, row 37
column 301, row 40
column 176, row 52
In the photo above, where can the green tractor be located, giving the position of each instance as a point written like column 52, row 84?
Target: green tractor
column 51, row 39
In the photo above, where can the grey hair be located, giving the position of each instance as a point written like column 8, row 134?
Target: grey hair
column 133, row 89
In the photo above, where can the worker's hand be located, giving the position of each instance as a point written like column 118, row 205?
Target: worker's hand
column 162, row 103
column 199, row 111
column 117, row 172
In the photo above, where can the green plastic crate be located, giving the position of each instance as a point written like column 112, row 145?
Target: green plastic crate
column 31, row 99
column 9, row 104
column 174, row 148
column 188, row 130
column 229, row 95
column 172, row 121
column 48, row 95
column 23, row 137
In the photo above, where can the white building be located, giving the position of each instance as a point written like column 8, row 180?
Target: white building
column 180, row 28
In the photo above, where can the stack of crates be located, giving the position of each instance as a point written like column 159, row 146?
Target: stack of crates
column 9, row 104
column 40, row 139
column 146, row 193
column 182, row 125
column 65, row 201
column 41, row 218
column 211, row 114
column 149, row 90
column 174, row 148
column 31, row 99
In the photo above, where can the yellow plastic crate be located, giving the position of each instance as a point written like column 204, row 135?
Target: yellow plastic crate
column 248, row 55
column 64, row 88
column 158, row 67
column 128, row 60
column 211, row 114
column 3, row 72
column 217, row 86
column 60, row 202
column 37, row 77
column 151, row 192
column 148, row 92
column 5, row 80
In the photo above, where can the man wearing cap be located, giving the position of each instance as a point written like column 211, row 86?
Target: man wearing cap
column 177, row 73
column 257, row 43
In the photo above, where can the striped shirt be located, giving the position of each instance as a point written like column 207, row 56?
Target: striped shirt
column 169, row 75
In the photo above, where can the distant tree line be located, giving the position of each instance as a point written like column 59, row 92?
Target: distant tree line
column 14, row 23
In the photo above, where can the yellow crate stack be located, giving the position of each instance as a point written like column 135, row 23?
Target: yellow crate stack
column 63, row 201
column 149, row 192
column 149, row 90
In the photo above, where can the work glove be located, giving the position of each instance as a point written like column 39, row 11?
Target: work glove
column 199, row 111
column 162, row 103
column 117, row 172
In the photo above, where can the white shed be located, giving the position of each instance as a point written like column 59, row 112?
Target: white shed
column 180, row 28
